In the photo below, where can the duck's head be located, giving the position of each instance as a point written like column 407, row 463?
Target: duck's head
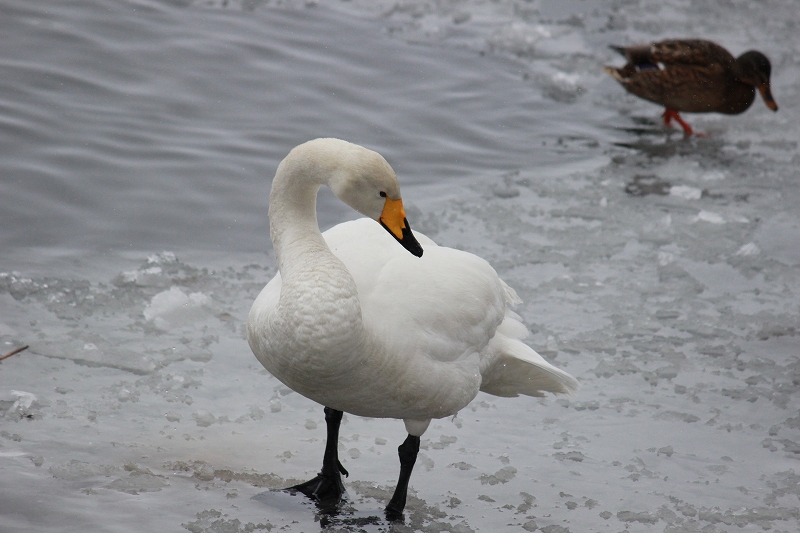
column 366, row 182
column 755, row 69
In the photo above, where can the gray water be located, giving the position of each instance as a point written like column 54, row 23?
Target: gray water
column 150, row 126
column 138, row 142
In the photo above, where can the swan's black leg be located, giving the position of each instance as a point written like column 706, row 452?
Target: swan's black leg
column 408, row 456
column 327, row 487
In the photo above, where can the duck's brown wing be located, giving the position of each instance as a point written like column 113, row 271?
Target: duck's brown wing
column 692, row 88
column 689, row 52
column 675, row 52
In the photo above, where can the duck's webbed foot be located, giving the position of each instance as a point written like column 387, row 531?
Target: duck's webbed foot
column 670, row 114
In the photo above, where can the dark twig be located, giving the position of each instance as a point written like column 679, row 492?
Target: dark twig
column 14, row 352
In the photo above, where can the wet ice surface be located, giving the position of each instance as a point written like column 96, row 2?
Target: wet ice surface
column 663, row 273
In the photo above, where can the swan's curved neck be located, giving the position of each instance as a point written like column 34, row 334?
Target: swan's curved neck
column 304, row 259
column 293, row 217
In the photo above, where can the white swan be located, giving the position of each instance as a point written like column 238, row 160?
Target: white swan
column 358, row 324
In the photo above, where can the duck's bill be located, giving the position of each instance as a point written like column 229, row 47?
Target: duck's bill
column 393, row 219
column 766, row 94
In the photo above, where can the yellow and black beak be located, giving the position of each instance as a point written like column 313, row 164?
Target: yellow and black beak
column 393, row 218
column 766, row 94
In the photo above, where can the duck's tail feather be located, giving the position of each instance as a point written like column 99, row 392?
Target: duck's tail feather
column 615, row 73
column 618, row 49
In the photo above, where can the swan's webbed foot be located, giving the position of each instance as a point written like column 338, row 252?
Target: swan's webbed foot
column 408, row 456
column 327, row 488
column 392, row 514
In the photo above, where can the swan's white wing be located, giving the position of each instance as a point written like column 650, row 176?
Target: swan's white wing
column 514, row 368
column 445, row 305
column 511, row 367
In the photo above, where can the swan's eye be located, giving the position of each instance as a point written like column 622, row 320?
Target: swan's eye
column 383, row 194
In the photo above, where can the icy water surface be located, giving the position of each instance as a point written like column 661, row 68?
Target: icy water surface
column 139, row 140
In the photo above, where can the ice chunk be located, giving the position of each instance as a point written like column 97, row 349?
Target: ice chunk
column 644, row 184
column 714, row 175
column 163, row 257
column 685, row 191
column 518, row 38
column 141, row 277
column 643, row 517
column 578, row 457
column 139, row 480
column 561, row 86
column 173, row 307
column 204, row 418
column 75, row 470
column 504, row 475
column 24, row 399
column 748, row 249
column 666, row 450
column 26, row 405
column 710, row 217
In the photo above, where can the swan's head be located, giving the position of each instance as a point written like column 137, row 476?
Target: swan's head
column 364, row 180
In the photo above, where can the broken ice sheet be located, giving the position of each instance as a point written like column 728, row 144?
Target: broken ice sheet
column 174, row 308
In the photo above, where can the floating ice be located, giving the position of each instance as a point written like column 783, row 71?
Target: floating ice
column 24, row 399
column 666, row 450
column 710, row 217
column 714, row 175
column 163, row 257
column 172, row 308
column 518, row 38
column 504, row 475
column 750, row 248
column 75, row 470
column 204, row 418
column 561, row 86
column 137, row 276
column 686, row 191
column 25, row 406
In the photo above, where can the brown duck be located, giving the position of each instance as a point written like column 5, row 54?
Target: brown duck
column 695, row 76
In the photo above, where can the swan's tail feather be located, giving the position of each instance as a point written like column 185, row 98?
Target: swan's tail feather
column 518, row 369
column 512, row 326
column 512, row 298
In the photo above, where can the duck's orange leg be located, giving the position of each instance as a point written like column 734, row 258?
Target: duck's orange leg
column 669, row 114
